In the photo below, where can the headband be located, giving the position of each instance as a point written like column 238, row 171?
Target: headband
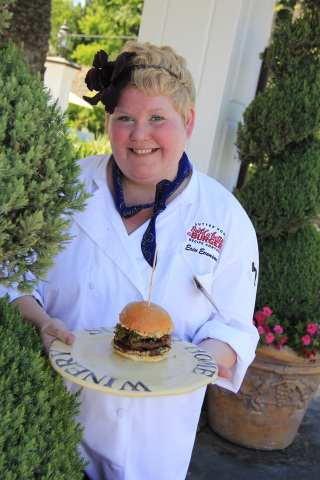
column 109, row 78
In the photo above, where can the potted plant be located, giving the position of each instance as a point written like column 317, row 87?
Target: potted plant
column 303, row 338
column 279, row 139
column 39, row 188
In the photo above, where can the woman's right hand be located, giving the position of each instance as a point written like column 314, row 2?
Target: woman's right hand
column 55, row 329
column 49, row 329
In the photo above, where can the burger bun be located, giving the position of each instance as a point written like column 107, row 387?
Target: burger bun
column 151, row 320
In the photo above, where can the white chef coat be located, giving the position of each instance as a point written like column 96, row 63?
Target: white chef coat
column 205, row 232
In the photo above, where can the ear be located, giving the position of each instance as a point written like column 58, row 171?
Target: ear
column 190, row 123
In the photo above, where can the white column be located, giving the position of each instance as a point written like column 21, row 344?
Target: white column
column 221, row 40
column 58, row 79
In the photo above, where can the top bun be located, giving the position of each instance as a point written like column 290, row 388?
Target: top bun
column 147, row 321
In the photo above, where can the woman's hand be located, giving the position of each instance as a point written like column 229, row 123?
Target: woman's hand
column 224, row 356
column 223, row 371
column 55, row 329
column 49, row 329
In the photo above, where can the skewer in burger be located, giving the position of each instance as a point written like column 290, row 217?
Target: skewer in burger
column 143, row 332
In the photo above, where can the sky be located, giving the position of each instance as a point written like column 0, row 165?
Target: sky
column 82, row 2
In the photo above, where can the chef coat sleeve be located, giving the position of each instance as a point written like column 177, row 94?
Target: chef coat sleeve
column 234, row 289
column 14, row 292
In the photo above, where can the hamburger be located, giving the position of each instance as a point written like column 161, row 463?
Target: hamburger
column 143, row 333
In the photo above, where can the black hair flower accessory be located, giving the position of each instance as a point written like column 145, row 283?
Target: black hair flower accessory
column 108, row 78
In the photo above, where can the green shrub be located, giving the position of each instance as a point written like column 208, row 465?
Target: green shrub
column 290, row 282
column 38, row 437
column 5, row 15
column 279, row 137
column 98, row 147
column 39, row 189
column 282, row 197
column 91, row 120
column 288, row 110
column 39, row 184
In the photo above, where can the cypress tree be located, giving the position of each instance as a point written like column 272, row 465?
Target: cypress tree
column 279, row 138
column 39, row 189
column 39, row 186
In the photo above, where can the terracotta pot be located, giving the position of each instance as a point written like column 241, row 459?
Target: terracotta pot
column 267, row 411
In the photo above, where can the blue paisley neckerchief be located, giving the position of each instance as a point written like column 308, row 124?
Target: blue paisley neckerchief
column 163, row 191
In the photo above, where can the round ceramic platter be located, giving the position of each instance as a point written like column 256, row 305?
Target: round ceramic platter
column 91, row 362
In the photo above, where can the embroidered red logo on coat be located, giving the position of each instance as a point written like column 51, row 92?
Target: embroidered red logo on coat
column 207, row 234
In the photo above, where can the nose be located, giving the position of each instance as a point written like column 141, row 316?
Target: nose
column 140, row 131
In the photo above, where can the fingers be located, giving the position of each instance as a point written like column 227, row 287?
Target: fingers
column 59, row 331
column 224, row 371
column 55, row 330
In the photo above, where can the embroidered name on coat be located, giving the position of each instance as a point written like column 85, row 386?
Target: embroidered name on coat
column 205, row 239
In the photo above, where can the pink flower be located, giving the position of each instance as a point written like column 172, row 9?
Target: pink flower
column 306, row 353
column 266, row 329
column 283, row 340
column 312, row 328
column 306, row 340
column 260, row 317
column 269, row 337
column 267, row 311
column 278, row 329
column 260, row 330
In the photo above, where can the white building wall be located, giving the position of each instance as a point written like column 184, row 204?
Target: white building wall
column 221, row 40
column 58, row 79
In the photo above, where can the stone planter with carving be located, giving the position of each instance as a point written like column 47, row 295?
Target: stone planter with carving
column 267, row 411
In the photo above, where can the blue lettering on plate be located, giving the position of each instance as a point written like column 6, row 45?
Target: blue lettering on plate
column 205, row 364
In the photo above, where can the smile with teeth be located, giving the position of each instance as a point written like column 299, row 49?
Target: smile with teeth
column 144, row 152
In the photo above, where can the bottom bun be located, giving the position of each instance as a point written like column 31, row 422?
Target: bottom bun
column 140, row 358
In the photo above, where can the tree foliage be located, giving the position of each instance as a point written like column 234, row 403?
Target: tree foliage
column 5, row 14
column 279, row 137
column 65, row 10
column 91, row 120
column 39, row 184
column 38, row 434
column 100, row 146
column 112, row 18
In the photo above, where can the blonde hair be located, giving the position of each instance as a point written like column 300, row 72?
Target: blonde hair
column 181, row 90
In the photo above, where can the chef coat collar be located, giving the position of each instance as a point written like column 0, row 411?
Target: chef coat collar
column 99, row 180
column 112, row 237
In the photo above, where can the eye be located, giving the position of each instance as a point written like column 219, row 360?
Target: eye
column 125, row 118
column 157, row 118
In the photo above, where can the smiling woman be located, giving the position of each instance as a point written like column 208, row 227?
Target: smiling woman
column 147, row 193
column 147, row 137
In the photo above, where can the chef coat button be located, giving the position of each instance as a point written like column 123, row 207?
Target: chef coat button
column 121, row 412
column 92, row 285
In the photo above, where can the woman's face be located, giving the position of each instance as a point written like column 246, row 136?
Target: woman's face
column 147, row 136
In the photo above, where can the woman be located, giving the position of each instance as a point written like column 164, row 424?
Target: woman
column 147, row 192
